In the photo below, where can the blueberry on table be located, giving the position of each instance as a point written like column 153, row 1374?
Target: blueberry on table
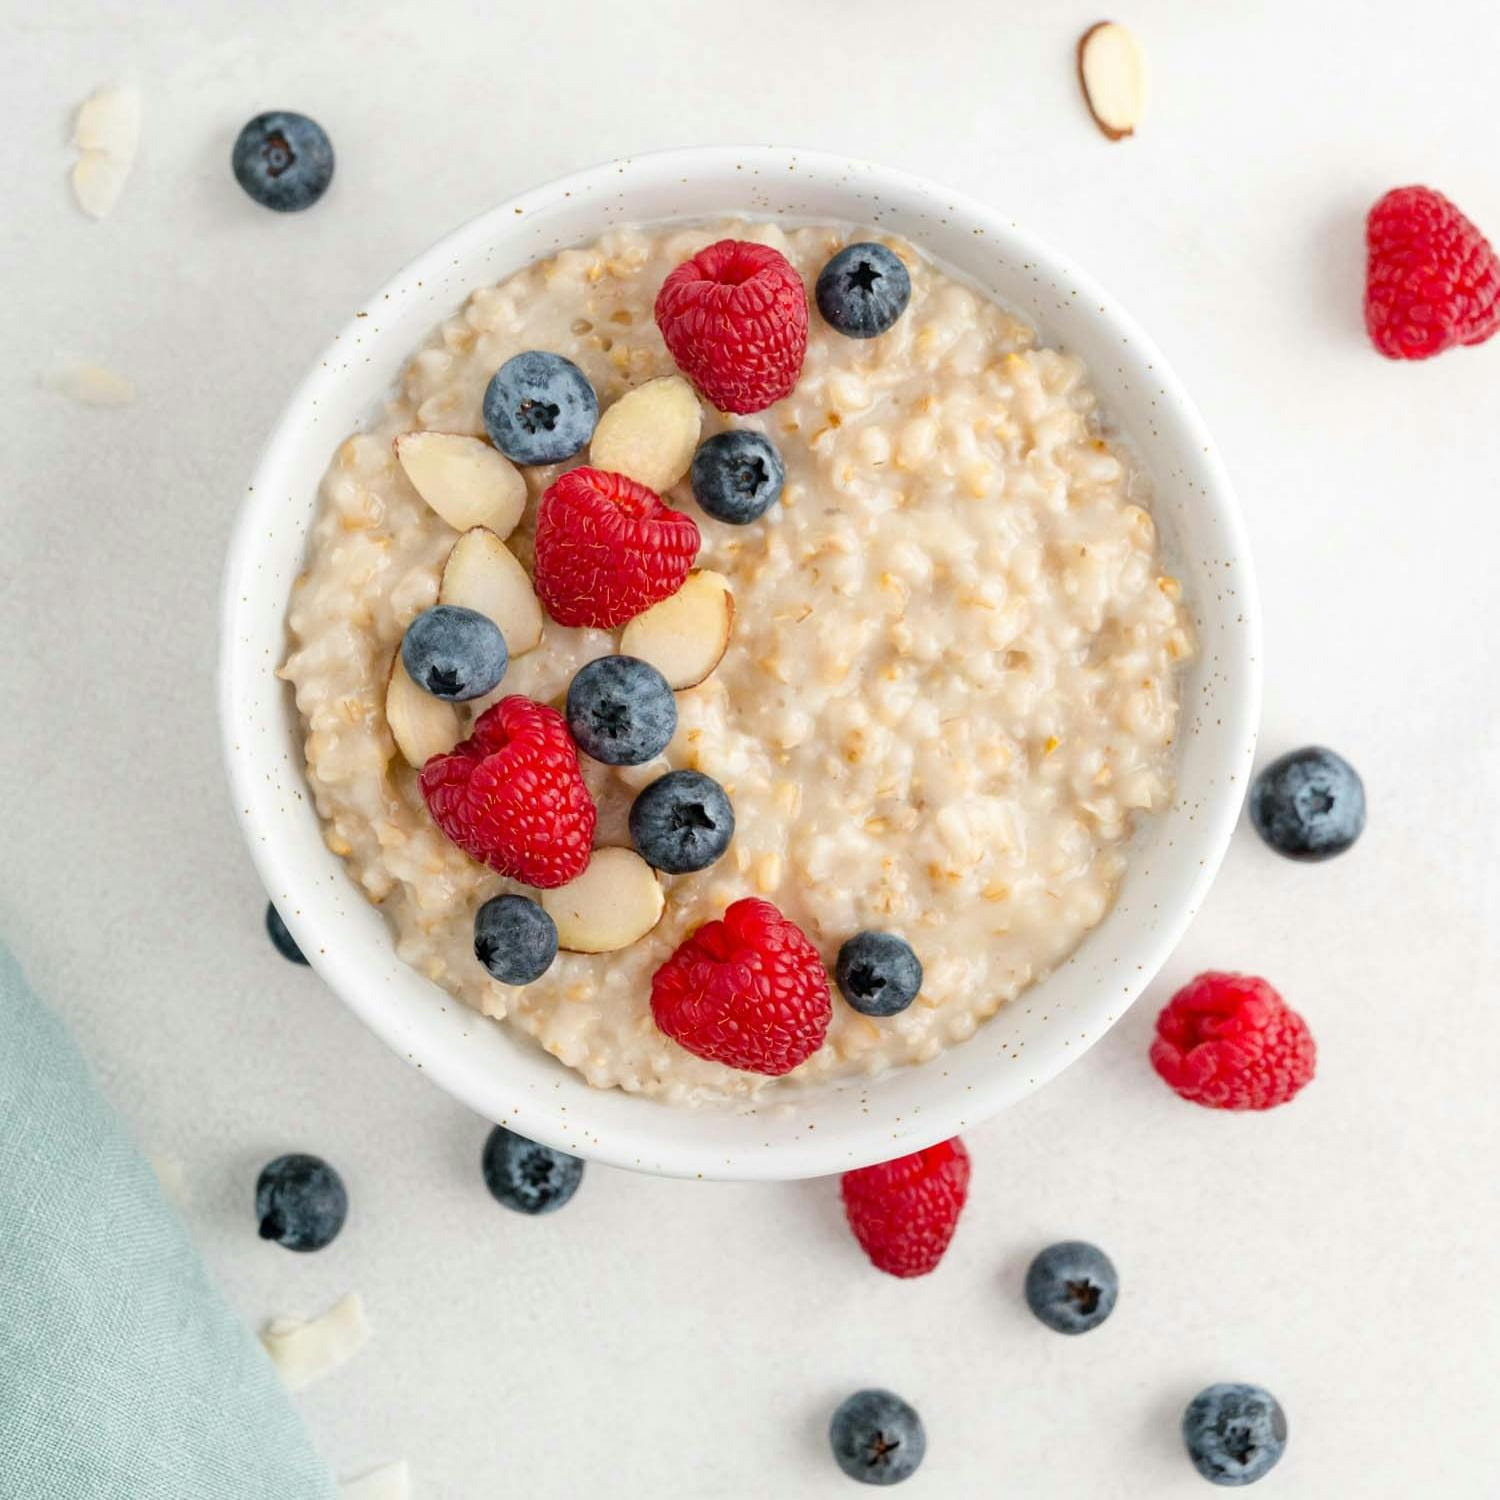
column 682, row 822
column 539, row 408
column 286, row 944
column 1235, row 1434
column 621, row 710
column 526, row 1176
column 737, row 476
column 283, row 160
column 877, row 1438
column 878, row 973
column 1072, row 1286
column 300, row 1202
column 1309, row 804
column 454, row 653
column 863, row 290
column 514, row 939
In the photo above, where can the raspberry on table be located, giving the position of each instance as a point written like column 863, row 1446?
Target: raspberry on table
column 1433, row 280
column 607, row 549
column 749, row 991
column 1229, row 1041
column 734, row 317
column 904, row 1212
column 512, row 796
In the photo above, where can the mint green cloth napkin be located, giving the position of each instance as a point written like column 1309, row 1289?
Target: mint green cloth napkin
column 123, row 1374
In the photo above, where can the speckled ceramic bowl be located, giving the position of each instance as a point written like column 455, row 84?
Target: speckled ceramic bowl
column 503, row 1074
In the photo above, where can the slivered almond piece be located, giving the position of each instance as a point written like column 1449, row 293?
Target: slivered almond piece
column 685, row 636
column 614, row 903
column 421, row 725
column 650, row 433
column 482, row 573
column 464, row 480
column 303, row 1352
column 1112, row 70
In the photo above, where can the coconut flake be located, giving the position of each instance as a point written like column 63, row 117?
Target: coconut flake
column 305, row 1352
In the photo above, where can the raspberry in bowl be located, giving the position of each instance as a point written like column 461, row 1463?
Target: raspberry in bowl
column 960, row 652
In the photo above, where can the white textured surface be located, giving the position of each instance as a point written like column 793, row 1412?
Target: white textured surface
column 672, row 1339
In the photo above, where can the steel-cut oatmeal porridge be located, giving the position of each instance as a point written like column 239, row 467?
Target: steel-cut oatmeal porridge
column 949, row 688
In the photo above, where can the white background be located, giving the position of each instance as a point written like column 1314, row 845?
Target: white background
column 672, row 1339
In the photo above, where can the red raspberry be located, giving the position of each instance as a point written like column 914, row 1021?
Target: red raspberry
column 735, row 320
column 904, row 1212
column 607, row 549
column 1433, row 280
column 512, row 797
column 749, row 991
column 1228, row 1041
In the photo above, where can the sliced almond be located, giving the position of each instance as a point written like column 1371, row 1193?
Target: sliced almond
column 92, row 384
column 421, row 725
column 614, row 903
column 1112, row 70
column 303, row 1352
column 106, row 132
column 685, row 637
column 464, row 480
column 482, row 573
column 650, row 433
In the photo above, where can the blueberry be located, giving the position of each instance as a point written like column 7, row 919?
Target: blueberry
column 1235, row 1434
column 683, row 821
column 529, row 1178
column 283, row 160
column 286, row 944
column 737, row 476
column 877, row 1438
column 863, row 290
column 1308, row 805
column 877, row 973
column 539, row 408
column 1072, row 1287
column 621, row 710
column 514, row 939
column 454, row 653
column 300, row 1202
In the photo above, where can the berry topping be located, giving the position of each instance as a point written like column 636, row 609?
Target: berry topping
column 878, row 973
column 283, row 160
column 749, row 991
column 285, row 943
column 1072, row 1287
column 1235, row 1434
column 682, row 822
column 454, row 653
column 514, row 939
column 539, row 408
column 621, row 711
column 737, row 476
column 863, row 290
column 1432, row 281
column 1308, row 805
column 607, row 549
column 512, row 797
column 525, row 1176
column 1228, row 1041
column 877, row 1438
column 735, row 319
column 300, row 1202
column 904, row 1212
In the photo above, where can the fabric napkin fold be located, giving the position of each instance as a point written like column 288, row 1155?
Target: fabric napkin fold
column 123, row 1373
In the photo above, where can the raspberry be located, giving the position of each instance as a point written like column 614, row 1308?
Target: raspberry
column 904, row 1212
column 512, row 796
column 1228, row 1041
column 608, row 549
column 1433, row 280
column 749, row 991
column 735, row 319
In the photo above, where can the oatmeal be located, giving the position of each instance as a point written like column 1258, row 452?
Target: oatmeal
column 949, row 688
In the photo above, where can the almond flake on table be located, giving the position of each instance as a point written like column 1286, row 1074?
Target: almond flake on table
column 306, row 1351
column 106, row 133
column 389, row 1482
column 89, row 383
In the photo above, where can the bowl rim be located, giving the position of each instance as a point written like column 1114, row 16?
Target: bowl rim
column 812, row 1154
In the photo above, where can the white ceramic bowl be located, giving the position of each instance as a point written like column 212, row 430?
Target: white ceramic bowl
column 504, row 1075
